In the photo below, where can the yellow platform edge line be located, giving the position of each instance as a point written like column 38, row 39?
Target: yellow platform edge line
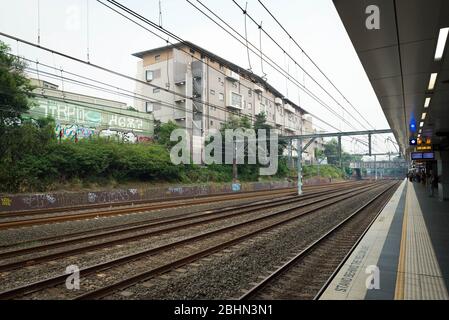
column 399, row 289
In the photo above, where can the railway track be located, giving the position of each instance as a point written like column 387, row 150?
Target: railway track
column 307, row 274
column 172, row 223
column 100, row 211
column 152, row 222
column 192, row 248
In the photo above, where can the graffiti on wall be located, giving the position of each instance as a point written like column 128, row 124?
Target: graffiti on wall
column 69, row 131
column 123, row 136
column 68, row 199
column 6, row 201
column 74, row 118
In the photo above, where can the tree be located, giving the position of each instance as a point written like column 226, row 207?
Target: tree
column 15, row 88
column 162, row 132
column 331, row 152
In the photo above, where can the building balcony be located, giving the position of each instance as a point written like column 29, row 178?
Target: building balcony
column 289, row 108
column 258, row 88
column 232, row 76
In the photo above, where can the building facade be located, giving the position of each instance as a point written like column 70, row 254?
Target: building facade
column 220, row 89
column 79, row 116
column 317, row 144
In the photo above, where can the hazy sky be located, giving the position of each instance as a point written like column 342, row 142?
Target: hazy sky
column 315, row 25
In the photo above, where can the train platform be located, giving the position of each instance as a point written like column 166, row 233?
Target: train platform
column 403, row 255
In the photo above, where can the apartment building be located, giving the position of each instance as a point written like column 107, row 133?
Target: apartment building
column 317, row 144
column 220, row 89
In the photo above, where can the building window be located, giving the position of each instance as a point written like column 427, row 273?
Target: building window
column 149, row 107
column 219, row 79
column 149, row 76
column 250, row 93
column 156, row 90
column 250, row 106
column 212, row 92
column 157, row 57
column 221, row 67
column 221, row 96
column 259, row 96
column 192, row 51
column 236, row 100
column 211, row 123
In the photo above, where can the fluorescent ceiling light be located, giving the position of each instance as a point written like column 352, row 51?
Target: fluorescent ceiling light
column 421, row 124
column 433, row 79
column 442, row 37
column 419, row 136
column 420, row 130
column 427, row 102
column 423, row 116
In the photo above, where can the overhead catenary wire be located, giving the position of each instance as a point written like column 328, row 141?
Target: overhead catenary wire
column 129, row 11
column 289, row 56
column 87, row 31
column 124, row 8
column 313, row 62
column 267, row 59
column 246, row 38
column 39, row 22
column 53, row 52
column 177, row 38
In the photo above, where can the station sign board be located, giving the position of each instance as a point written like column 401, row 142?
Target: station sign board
column 423, row 155
column 424, row 148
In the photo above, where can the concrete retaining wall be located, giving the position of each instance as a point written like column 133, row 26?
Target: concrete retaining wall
column 67, row 199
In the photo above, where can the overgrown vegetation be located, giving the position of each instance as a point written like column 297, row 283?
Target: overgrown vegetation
column 325, row 171
column 32, row 159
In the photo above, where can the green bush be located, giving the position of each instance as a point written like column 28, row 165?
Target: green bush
column 326, row 170
column 36, row 161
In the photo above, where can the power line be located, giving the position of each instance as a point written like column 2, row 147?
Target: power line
column 313, row 62
column 245, row 12
column 102, row 68
column 278, row 68
column 129, row 11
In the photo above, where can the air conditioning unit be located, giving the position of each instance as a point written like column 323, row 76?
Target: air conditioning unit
column 235, row 100
column 258, row 88
column 278, row 101
column 289, row 108
column 233, row 76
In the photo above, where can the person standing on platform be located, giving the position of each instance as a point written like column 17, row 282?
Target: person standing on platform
column 434, row 184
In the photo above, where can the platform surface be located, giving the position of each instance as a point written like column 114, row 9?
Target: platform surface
column 404, row 254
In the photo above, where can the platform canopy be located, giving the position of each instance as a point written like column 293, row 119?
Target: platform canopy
column 399, row 59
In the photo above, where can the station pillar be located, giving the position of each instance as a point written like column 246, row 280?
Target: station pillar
column 442, row 158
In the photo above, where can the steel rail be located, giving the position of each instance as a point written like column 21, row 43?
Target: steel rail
column 310, row 248
column 58, row 279
column 127, row 210
column 243, row 210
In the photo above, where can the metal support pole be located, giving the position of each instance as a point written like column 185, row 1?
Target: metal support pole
column 290, row 164
column 375, row 167
column 369, row 144
column 339, row 151
column 234, row 162
column 299, row 151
